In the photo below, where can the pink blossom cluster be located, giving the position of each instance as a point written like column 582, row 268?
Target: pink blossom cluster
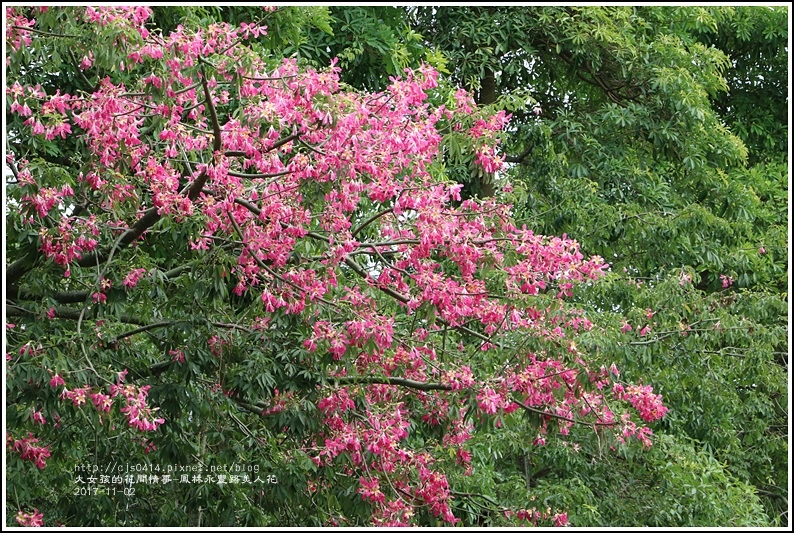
column 87, row 61
column 648, row 404
column 461, row 378
column 550, row 386
column 535, row 516
column 27, row 449
column 279, row 402
column 630, row 429
column 38, row 418
column 216, row 345
column 46, row 199
column 177, row 355
column 76, row 396
column 139, row 414
column 378, row 443
column 53, row 110
column 29, row 349
column 489, row 401
column 22, row 109
column 487, row 130
column 69, row 240
column 34, row 519
column 16, row 36
column 101, row 296
column 131, row 16
column 370, row 490
column 110, row 124
column 102, row 401
column 132, row 277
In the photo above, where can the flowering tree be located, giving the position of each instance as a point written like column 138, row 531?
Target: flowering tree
column 217, row 257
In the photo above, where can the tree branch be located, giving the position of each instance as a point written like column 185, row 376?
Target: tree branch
column 560, row 417
column 519, row 159
column 258, row 176
column 370, row 220
column 48, row 34
column 216, row 127
column 67, row 313
column 402, row 382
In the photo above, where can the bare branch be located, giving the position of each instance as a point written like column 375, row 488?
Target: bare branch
column 216, row 127
column 258, row 176
column 402, row 382
column 370, row 220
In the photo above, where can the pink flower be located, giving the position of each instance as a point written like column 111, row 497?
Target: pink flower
column 38, row 418
column 560, row 519
column 464, row 456
column 87, row 61
column 490, row 401
column 56, row 381
column 626, row 327
column 28, row 451
column 761, row 250
column 177, row 355
column 461, row 378
column 727, row 281
column 34, row 519
column 102, row 402
column 644, row 331
column 649, row 405
column 131, row 279
column 370, row 490
column 77, row 396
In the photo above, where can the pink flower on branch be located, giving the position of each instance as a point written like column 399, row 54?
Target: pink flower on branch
column 34, row 519
column 38, row 418
column 649, row 405
column 131, row 279
column 28, row 451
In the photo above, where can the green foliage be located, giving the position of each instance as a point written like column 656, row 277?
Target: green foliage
column 370, row 43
